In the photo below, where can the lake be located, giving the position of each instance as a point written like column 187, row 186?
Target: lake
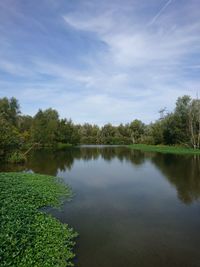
column 130, row 208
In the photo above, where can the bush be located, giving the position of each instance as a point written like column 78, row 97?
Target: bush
column 16, row 157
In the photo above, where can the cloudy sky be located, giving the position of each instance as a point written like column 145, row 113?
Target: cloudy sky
column 99, row 61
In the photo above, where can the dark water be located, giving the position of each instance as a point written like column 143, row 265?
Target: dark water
column 131, row 209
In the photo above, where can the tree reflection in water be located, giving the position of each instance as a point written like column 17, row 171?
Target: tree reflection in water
column 183, row 172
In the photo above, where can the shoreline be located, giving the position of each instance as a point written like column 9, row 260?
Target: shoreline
column 165, row 149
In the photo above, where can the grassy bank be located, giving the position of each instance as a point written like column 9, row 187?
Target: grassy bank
column 62, row 146
column 28, row 236
column 165, row 149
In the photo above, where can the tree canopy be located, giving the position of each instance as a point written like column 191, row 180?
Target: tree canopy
column 181, row 126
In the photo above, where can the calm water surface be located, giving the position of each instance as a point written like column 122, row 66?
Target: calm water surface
column 130, row 208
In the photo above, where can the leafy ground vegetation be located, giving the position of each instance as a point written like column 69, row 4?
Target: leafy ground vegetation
column 165, row 149
column 28, row 236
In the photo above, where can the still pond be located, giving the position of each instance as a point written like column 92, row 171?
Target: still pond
column 130, row 208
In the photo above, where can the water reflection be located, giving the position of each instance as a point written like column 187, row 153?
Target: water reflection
column 125, row 207
column 183, row 172
column 51, row 162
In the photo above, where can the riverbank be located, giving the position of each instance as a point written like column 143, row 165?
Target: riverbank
column 165, row 149
column 30, row 237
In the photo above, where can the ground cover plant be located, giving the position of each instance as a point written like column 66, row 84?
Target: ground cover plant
column 28, row 236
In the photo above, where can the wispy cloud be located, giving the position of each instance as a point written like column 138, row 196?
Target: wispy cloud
column 160, row 12
column 95, row 61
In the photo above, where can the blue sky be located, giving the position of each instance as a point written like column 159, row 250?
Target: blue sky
column 99, row 61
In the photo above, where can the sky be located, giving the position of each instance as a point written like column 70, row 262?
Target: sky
column 99, row 61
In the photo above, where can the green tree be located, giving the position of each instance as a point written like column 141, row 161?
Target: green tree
column 181, row 117
column 9, row 134
column 10, row 110
column 45, row 127
column 108, row 134
column 171, row 130
column 194, row 123
column 9, row 137
column 25, row 124
column 89, row 133
column 68, row 132
column 156, row 132
column 137, row 130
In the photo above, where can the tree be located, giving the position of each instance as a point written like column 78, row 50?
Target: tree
column 9, row 134
column 137, row 130
column 156, row 132
column 108, row 134
column 10, row 110
column 9, row 137
column 25, row 124
column 89, row 133
column 45, row 127
column 171, row 131
column 181, row 114
column 194, row 123
column 68, row 132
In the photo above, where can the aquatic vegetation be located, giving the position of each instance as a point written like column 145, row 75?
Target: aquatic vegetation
column 63, row 146
column 165, row 149
column 30, row 237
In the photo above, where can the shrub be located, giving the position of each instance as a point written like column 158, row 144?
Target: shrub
column 16, row 157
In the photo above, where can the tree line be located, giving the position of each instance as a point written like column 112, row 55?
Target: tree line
column 47, row 129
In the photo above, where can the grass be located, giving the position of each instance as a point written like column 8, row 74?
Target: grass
column 29, row 237
column 165, row 149
column 63, row 146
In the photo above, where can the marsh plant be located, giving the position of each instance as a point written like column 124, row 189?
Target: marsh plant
column 28, row 236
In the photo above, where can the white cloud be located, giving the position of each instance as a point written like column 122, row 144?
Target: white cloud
column 142, row 66
column 101, row 23
column 14, row 68
column 142, row 53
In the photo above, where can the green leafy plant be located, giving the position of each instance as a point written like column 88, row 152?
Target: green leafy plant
column 28, row 236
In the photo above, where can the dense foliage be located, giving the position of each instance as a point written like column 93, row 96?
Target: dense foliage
column 182, row 127
column 28, row 236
